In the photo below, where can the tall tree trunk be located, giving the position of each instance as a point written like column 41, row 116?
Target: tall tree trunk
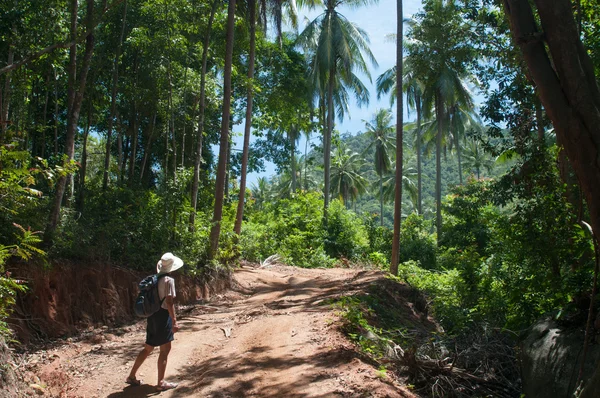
column 247, row 128
column 74, row 100
column 381, row 199
column 306, row 162
column 458, row 156
column 84, row 156
column 55, row 112
column 222, row 165
column 113, row 100
column 6, row 95
column 439, row 111
column 419, row 159
column 183, row 113
column 201, row 111
column 293, row 157
column 148, row 146
column 42, row 152
column 228, row 163
column 120, row 157
column 399, row 140
column 567, row 87
column 134, row 143
column 327, row 141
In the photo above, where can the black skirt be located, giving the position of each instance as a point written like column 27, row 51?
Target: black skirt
column 159, row 329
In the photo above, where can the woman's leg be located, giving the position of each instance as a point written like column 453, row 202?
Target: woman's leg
column 140, row 360
column 162, row 362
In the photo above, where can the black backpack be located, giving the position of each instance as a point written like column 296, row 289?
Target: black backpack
column 148, row 300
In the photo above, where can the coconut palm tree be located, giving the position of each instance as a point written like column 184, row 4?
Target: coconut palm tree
column 261, row 192
column 476, row 159
column 440, row 55
column 381, row 131
column 346, row 179
column 412, row 86
column 338, row 49
column 408, row 185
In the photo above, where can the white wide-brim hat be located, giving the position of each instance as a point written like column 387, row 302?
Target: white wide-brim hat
column 168, row 263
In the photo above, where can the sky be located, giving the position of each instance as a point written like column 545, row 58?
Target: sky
column 378, row 20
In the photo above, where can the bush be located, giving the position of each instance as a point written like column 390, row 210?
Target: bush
column 416, row 243
column 441, row 288
column 292, row 228
column 346, row 235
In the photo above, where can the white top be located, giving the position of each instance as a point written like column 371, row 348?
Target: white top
column 166, row 287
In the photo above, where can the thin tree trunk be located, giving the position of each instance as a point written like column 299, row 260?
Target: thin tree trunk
column 399, row 141
column 84, row 156
column 381, row 199
column 45, row 119
column 247, row 128
column 327, row 142
column 119, row 148
column 6, row 95
column 458, row 155
column 438, row 164
column 183, row 118
column 306, row 162
column 74, row 100
column 228, row 163
column 293, row 158
column 222, row 165
column 201, row 110
column 419, row 159
column 134, row 144
column 113, row 100
column 148, row 146
column 55, row 112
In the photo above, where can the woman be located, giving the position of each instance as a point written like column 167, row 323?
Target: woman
column 161, row 325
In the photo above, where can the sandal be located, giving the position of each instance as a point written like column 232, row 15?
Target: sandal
column 132, row 381
column 166, row 386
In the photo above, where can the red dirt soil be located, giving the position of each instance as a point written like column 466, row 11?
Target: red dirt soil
column 284, row 342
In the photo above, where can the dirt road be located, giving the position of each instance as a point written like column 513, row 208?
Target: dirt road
column 273, row 335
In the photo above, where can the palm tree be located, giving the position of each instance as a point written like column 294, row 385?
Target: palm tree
column 439, row 56
column 346, row 180
column 261, row 192
column 338, row 49
column 224, row 142
column 476, row 159
column 412, row 86
column 461, row 118
column 399, row 139
column 380, row 130
column 408, row 185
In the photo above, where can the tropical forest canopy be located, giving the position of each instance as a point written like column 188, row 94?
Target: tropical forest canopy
column 109, row 110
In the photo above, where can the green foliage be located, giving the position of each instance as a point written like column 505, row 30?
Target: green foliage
column 293, row 228
column 25, row 249
column 355, row 313
column 416, row 243
column 443, row 289
column 346, row 236
column 133, row 227
column 468, row 216
column 380, row 238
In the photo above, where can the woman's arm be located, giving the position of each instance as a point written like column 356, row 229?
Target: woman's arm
column 171, row 309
